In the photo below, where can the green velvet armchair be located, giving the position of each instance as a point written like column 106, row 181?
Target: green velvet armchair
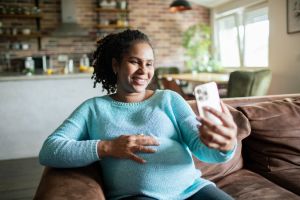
column 249, row 83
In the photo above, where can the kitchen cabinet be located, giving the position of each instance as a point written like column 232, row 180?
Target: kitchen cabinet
column 17, row 12
column 112, row 15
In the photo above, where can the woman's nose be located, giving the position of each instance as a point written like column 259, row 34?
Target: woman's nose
column 143, row 66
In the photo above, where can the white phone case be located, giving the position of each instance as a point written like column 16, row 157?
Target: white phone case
column 208, row 95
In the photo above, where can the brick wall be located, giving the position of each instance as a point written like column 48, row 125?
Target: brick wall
column 164, row 28
column 150, row 16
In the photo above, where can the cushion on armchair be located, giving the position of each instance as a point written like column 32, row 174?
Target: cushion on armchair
column 273, row 148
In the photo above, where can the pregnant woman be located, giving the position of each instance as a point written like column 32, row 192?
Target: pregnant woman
column 143, row 139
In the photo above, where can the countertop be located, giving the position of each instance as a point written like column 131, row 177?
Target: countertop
column 18, row 77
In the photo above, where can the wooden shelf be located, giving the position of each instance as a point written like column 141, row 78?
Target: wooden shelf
column 22, row 36
column 111, row 26
column 34, row 16
column 112, row 10
column 20, row 16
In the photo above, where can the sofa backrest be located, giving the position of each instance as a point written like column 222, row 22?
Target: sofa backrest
column 273, row 147
column 215, row 172
column 274, row 143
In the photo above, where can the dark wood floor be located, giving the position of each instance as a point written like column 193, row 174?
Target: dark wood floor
column 19, row 178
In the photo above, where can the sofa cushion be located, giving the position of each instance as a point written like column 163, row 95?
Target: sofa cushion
column 215, row 172
column 288, row 179
column 273, row 148
column 247, row 185
column 274, row 142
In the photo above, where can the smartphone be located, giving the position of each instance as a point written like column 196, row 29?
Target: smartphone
column 208, row 95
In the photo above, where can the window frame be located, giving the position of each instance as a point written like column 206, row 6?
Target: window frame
column 240, row 15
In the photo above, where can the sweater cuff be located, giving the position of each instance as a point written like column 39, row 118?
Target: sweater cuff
column 229, row 153
column 95, row 150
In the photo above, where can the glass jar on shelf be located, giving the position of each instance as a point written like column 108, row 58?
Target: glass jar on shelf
column 84, row 64
column 122, row 4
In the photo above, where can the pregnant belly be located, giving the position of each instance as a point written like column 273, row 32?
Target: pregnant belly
column 170, row 167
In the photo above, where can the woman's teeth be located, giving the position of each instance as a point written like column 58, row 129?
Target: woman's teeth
column 139, row 81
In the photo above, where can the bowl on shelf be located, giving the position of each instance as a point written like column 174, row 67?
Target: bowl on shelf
column 25, row 46
column 26, row 31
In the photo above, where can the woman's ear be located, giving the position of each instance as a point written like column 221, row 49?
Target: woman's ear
column 115, row 65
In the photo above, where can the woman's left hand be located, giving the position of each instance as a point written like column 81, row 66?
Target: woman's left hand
column 218, row 136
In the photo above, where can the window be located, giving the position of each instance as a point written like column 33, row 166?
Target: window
column 243, row 37
column 256, row 38
column 228, row 39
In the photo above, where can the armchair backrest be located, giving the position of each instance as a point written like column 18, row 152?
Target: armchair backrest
column 249, row 83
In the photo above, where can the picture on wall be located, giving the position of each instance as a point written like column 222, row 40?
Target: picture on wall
column 293, row 16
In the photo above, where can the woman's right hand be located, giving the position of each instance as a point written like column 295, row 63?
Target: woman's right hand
column 125, row 147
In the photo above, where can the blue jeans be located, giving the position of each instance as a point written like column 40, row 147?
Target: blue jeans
column 208, row 192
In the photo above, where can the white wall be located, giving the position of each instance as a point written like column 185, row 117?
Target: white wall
column 284, row 49
column 33, row 109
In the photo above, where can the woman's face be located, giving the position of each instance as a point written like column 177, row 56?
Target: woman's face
column 136, row 68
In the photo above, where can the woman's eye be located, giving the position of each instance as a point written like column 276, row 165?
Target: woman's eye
column 149, row 64
column 133, row 62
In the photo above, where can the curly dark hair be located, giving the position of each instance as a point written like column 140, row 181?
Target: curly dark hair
column 114, row 45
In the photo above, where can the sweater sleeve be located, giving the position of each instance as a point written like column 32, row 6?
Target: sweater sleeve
column 69, row 145
column 186, row 120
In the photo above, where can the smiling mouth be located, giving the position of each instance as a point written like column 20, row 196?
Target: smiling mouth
column 139, row 81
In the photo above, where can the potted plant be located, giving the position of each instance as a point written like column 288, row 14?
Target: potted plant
column 197, row 43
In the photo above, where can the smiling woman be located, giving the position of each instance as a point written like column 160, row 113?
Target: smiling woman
column 140, row 136
column 135, row 71
column 109, row 54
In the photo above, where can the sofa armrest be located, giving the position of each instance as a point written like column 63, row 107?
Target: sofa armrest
column 74, row 183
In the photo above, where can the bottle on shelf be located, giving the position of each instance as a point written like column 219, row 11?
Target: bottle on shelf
column 29, row 66
column 71, row 66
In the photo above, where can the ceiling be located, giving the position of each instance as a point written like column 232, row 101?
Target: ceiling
column 210, row 3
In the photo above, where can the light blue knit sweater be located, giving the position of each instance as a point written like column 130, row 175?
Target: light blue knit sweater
column 168, row 173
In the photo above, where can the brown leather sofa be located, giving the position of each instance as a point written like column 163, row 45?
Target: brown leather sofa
column 265, row 166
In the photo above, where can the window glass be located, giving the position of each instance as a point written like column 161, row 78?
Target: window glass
column 256, row 38
column 228, row 39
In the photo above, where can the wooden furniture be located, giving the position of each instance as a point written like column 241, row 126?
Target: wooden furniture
column 172, row 84
column 160, row 71
column 175, row 86
column 28, row 15
column 200, row 78
column 111, row 19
